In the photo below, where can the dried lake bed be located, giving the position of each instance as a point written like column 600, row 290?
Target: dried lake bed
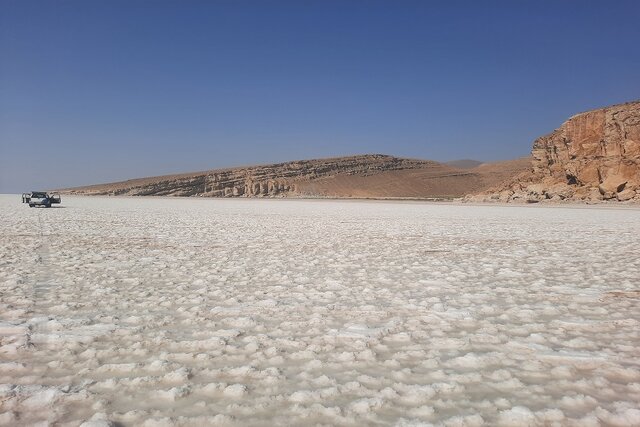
column 161, row 311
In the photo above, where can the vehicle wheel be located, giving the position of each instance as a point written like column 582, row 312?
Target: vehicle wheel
column 30, row 205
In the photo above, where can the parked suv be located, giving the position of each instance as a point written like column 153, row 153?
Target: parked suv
column 41, row 198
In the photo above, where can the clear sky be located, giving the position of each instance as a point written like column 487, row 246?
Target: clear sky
column 96, row 91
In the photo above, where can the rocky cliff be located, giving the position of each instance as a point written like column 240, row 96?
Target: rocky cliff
column 593, row 156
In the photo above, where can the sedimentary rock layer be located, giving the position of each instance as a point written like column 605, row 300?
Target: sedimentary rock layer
column 268, row 180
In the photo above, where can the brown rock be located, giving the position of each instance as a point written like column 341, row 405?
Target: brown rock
column 504, row 196
column 625, row 195
column 594, row 195
column 535, row 191
column 559, row 191
column 598, row 149
column 613, row 184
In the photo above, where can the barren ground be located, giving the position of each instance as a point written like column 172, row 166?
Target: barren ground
column 146, row 311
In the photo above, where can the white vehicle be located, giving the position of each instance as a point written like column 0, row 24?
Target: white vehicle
column 41, row 198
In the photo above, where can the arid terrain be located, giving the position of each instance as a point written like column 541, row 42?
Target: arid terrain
column 364, row 176
column 244, row 312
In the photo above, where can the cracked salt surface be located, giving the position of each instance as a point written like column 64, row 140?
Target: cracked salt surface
column 118, row 311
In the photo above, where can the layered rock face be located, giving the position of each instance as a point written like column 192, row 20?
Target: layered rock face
column 277, row 180
column 593, row 156
column 285, row 178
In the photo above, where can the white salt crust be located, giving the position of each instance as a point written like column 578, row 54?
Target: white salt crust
column 190, row 312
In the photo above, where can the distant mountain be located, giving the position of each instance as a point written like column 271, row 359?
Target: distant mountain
column 361, row 176
column 464, row 163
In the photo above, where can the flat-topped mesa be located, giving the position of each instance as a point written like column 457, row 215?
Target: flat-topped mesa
column 593, row 156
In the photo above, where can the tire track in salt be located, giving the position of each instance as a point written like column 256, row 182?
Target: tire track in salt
column 42, row 283
column 41, row 287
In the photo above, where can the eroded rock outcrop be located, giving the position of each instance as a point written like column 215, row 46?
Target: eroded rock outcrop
column 277, row 180
column 593, row 156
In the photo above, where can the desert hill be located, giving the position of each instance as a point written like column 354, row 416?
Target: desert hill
column 593, row 156
column 361, row 176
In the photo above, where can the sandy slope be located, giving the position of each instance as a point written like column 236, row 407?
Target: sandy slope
column 284, row 312
column 431, row 182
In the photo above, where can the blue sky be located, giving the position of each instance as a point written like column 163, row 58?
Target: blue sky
column 96, row 91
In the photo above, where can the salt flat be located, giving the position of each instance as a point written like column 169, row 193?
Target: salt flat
column 143, row 311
